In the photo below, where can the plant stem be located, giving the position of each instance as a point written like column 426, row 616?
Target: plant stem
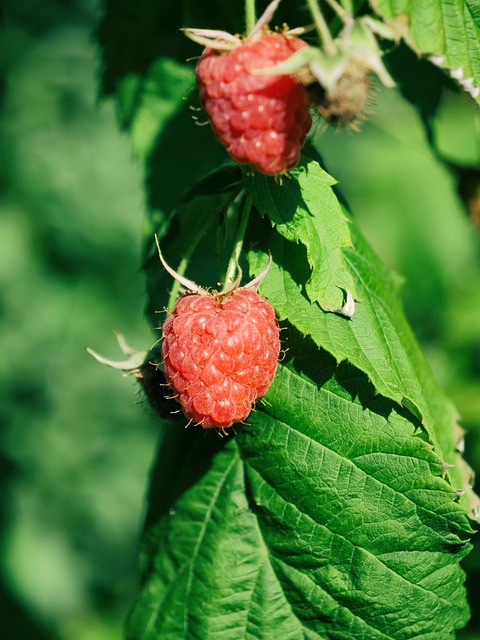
column 237, row 248
column 250, row 18
column 322, row 27
column 182, row 267
column 342, row 10
column 174, row 293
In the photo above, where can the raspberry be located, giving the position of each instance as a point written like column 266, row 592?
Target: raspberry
column 220, row 354
column 261, row 119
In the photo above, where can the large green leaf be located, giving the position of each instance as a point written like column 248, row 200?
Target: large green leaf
column 326, row 517
column 377, row 340
column 447, row 30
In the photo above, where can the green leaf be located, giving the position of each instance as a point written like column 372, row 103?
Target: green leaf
column 304, row 209
column 147, row 103
column 377, row 340
column 326, row 517
column 448, row 30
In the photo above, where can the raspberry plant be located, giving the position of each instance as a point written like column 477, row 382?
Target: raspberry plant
column 341, row 509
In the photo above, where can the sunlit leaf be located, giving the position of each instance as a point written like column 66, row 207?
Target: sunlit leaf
column 377, row 340
column 304, row 209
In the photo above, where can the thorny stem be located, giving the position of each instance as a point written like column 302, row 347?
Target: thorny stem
column 322, row 27
column 237, row 249
column 249, row 15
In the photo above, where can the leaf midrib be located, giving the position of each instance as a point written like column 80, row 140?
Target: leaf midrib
column 206, row 520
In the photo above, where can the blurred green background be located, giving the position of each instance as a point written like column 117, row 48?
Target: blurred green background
column 76, row 439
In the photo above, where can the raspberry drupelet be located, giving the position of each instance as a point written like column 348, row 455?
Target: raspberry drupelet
column 220, row 355
column 261, row 119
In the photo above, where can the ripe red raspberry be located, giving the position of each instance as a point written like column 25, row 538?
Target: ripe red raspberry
column 261, row 119
column 220, row 354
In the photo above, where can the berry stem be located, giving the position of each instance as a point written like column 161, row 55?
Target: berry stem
column 249, row 15
column 322, row 27
column 342, row 9
column 347, row 5
column 182, row 267
column 175, row 290
column 233, row 264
